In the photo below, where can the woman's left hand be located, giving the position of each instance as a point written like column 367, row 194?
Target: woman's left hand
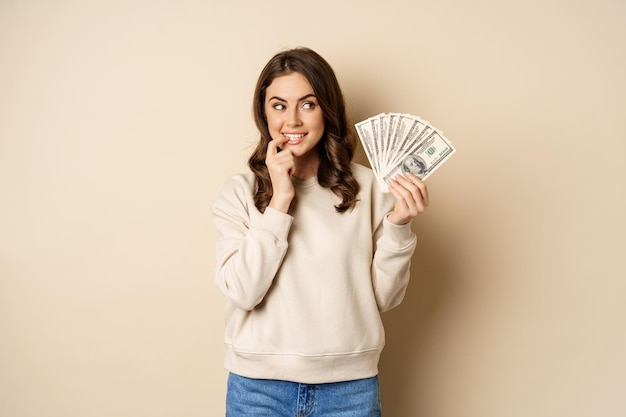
column 411, row 196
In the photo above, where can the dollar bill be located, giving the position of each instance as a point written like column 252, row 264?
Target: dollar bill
column 398, row 143
column 423, row 158
column 409, row 130
column 364, row 130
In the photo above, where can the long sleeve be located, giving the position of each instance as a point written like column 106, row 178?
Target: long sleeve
column 251, row 245
column 393, row 249
column 392, row 262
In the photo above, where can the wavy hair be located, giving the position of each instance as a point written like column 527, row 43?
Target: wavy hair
column 336, row 148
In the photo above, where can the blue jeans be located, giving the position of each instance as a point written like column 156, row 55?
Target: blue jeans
column 264, row 397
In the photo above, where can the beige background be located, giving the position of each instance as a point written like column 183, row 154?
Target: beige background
column 119, row 120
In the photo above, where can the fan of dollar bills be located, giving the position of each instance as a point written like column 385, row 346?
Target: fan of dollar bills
column 397, row 143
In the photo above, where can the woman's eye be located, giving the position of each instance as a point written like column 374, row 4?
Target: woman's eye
column 279, row 106
column 308, row 105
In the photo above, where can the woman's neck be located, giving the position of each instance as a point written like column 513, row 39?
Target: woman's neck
column 307, row 166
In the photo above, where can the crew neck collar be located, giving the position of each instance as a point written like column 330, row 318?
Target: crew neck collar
column 309, row 182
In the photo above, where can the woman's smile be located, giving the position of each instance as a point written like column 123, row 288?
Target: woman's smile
column 294, row 138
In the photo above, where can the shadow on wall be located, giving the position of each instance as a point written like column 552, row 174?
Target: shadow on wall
column 408, row 327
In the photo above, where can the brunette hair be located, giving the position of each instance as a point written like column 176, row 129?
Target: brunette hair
column 336, row 148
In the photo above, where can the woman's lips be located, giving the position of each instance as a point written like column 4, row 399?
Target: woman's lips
column 294, row 138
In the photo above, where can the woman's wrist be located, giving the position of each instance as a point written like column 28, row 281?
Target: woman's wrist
column 280, row 203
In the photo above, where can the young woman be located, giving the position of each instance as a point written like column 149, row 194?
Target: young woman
column 310, row 252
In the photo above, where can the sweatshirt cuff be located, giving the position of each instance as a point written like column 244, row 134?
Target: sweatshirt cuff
column 400, row 233
column 277, row 223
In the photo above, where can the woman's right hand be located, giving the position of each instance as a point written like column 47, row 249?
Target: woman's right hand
column 281, row 166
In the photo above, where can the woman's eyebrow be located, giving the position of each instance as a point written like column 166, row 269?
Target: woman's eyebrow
column 300, row 99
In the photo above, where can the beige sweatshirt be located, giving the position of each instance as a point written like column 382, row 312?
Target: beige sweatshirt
column 305, row 289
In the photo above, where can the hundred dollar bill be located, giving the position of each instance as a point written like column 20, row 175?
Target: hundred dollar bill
column 364, row 130
column 424, row 157
column 385, row 120
column 409, row 130
column 378, row 146
column 392, row 124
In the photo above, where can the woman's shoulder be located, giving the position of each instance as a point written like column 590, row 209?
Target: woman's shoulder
column 239, row 186
column 235, row 198
column 362, row 172
column 365, row 176
column 370, row 188
column 245, row 179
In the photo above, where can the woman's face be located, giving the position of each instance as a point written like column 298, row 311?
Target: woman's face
column 292, row 111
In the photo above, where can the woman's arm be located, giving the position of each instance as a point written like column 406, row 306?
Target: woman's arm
column 395, row 242
column 251, row 245
column 391, row 265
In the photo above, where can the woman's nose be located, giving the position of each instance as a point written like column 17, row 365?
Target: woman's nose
column 293, row 118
